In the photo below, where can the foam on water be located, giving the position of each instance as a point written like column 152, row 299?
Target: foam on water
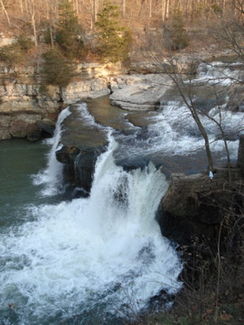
column 85, row 115
column 51, row 177
column 218, row 73
column 104, row 250
column 173, row 131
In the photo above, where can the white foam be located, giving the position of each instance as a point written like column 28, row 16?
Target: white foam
column 52, row 176
column 174, row 132
column 218, row 73
column 106, row 249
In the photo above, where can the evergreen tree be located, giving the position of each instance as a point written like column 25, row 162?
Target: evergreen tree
column 69, row 32
column 176, row 35
column 113, row 39
column 56, row 70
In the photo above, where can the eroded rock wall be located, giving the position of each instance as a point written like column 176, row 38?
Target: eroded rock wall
column 23, row 103
column 196, row 205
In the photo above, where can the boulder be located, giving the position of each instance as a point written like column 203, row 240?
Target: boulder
column 33, row 132
column 22, row 126
column 80, row 144
column 193, row 205
column 139, row 93
column 18, row 128
column 4, row 134
column 4, row 126
column 47, row 126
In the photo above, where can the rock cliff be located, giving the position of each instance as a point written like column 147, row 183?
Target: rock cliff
column 23, row 103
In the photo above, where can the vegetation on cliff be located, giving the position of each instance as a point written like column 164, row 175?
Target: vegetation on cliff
column 95, row 30
column 56, row 69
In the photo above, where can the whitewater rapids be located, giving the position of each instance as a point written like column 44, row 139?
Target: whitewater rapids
column 90, row 255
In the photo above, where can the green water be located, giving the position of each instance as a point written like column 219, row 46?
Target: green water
column 19, row 161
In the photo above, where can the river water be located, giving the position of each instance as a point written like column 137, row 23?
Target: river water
column 95, row 260
column 19, row 160
column 86, row 261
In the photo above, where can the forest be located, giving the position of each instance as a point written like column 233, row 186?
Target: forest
column 34, row 15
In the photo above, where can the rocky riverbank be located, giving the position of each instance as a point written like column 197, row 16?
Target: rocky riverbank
column 24, row 104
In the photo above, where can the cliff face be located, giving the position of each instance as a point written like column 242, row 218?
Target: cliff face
column 23, row 104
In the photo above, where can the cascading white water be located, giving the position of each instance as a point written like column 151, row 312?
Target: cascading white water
column 101, row 253
column 173, row 130
column 51, row 177
column 218, row 73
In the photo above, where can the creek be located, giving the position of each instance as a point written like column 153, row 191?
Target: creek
column 95, row 260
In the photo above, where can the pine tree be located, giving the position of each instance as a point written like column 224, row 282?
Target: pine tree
column 56, row 70
column 176, row 34
column 69, row 32
column 113, row 39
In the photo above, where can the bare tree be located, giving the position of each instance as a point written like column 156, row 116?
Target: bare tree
column 5, row 12
column 124, row 8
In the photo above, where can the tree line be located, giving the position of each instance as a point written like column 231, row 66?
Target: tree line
column 35, row 12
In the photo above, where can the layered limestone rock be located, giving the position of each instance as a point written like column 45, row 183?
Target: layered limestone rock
column 24, row 104
column 139, row 92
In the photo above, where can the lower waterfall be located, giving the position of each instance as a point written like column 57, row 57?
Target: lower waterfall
column 90, row 260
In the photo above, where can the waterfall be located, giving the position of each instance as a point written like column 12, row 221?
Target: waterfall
column 51, row 177
column 102, row 256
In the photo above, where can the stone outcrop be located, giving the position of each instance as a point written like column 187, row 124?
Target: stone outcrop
column 203, row 217
column 80, row 145
column 139, row 92
column 195, row 205
column 24, row 104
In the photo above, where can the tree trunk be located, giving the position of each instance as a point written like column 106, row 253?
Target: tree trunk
column 124, row 8
column 5, row 12
column 150, row 8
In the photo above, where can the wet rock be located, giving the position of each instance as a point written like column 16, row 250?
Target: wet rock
column 47, row 126
column 80, row 145
column 18, row 129
column 4, row 127
column 4, row 134
column 33, row 132
column 19, row 126
column 236, row 98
